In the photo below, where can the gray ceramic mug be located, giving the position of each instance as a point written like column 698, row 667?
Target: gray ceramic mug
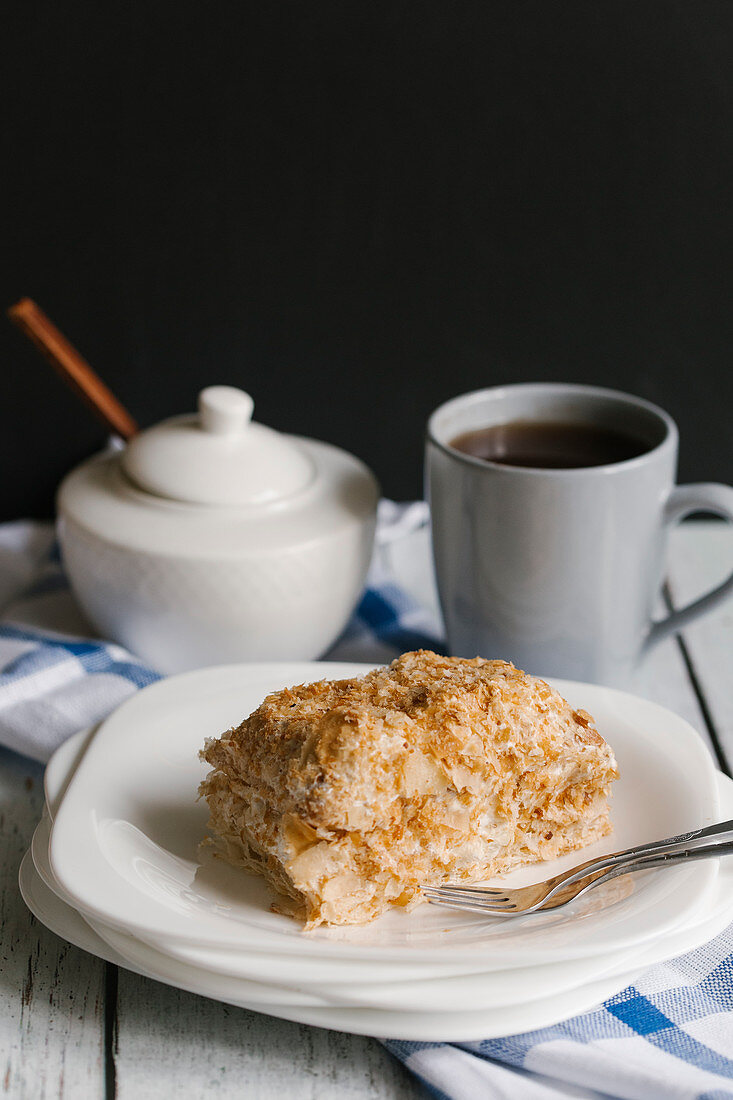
column 558, row 570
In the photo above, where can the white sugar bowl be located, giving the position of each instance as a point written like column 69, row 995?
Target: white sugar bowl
column 212, row 539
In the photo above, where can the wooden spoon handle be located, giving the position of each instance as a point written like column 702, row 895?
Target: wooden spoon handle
column 72, row 367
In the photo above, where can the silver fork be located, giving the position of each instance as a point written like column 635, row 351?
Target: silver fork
column 715, row 840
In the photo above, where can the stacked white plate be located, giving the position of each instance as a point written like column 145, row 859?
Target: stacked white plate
column 115, row 868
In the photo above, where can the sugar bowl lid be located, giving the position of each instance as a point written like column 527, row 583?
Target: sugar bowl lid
column 218, row 457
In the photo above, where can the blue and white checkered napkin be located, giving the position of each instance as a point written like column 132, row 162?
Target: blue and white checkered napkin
column 670, row 1035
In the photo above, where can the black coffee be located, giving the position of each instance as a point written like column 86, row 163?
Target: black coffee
column 550, row 444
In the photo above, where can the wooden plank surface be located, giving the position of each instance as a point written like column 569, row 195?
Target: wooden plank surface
column 159, row 1041
column 51, row 994
column 171, row 1043
column 702, row 556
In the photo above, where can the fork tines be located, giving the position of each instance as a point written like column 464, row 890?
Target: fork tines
column 473, row 901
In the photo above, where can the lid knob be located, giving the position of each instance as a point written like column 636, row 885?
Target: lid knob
column 218, row 457
column 224, row 410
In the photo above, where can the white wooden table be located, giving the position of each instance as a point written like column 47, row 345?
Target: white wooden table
column 74, row 1026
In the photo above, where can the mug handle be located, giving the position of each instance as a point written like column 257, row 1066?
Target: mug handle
column 683, row 500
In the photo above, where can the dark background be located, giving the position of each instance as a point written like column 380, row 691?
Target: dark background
column 356, row 210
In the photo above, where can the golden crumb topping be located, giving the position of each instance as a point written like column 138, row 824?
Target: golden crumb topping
column 431, row 769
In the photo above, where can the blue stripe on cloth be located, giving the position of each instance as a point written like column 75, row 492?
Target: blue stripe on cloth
column 81, row 648
column 626, row 1011
column 719, row 986
column 646, row 1019
column 706, row 996
column 513, row 1049
column 45, row 654
column 640, row 1015
column 381, row 612
column 138, row 675
column 49, row 651
column 376, row 611
column 44, row 638
column 403, row 1048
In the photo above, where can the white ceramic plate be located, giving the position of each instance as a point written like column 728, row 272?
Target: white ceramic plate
column 124, row 845
column 298, row 1004
column 449, row 993
column 361, row 984
column 62, row 766
column 428, row 1027
column 430, row 1023
column 422, row 1026
column 393, row 985
column 351, row 983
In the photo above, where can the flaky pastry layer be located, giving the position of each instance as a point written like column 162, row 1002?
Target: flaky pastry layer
column 349, row 795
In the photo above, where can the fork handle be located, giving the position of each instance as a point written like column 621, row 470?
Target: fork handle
column 558, row 896
column 721, row 832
